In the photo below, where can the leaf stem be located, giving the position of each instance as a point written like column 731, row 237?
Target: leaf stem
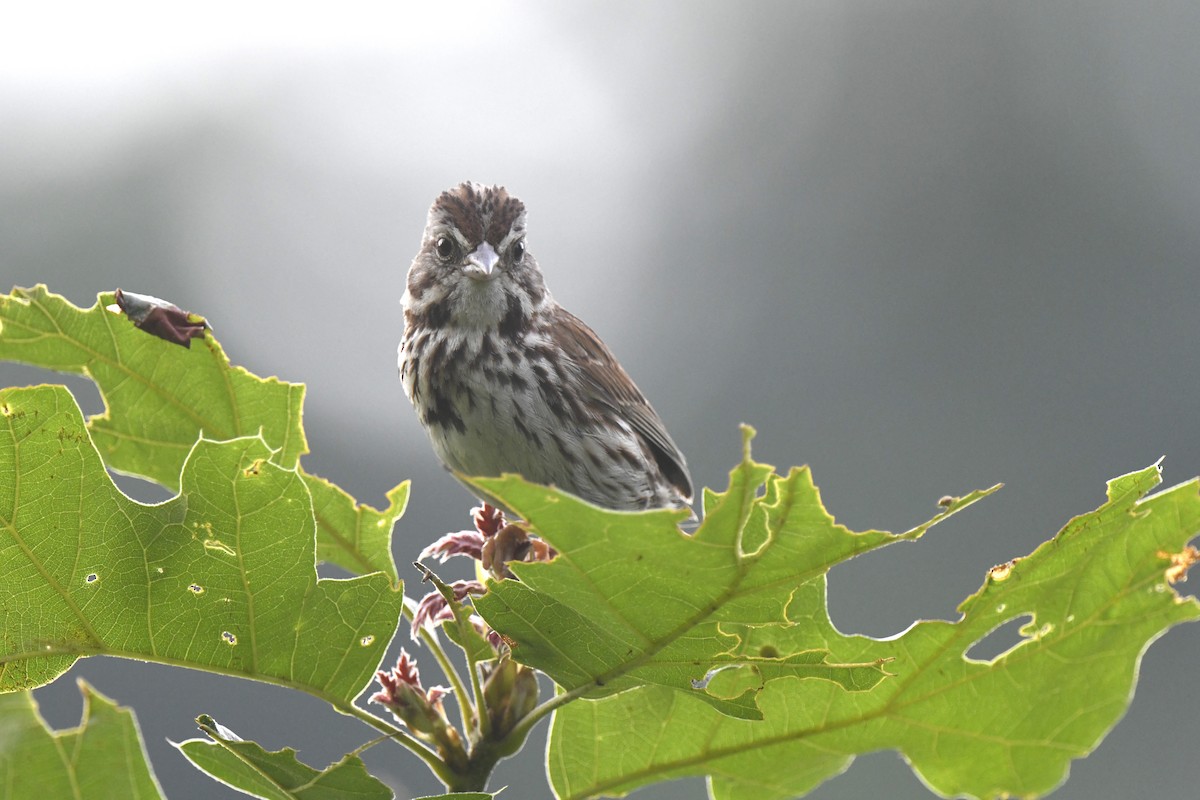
column 365, row 746
column 466, row 709
column 484, row 721
column 431, row 759
column 347, row 707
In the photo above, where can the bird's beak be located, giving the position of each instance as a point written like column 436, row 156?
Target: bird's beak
column 482, row 262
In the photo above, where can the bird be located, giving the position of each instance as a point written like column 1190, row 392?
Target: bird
column 505, row 380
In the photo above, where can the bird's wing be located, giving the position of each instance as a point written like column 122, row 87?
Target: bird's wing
column 608, row 384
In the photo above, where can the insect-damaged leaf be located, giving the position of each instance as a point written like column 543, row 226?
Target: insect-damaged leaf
column 279, row 774
column 159, row 399
column 1097, row 595
column 102, row 758
column 632, row 601
column 221, row 577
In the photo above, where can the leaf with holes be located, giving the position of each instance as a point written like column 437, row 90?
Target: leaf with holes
column 631, row 601
column 1098, row 594
column 277, row 775
column 222, row 577
column 160, row 398
column 103, row 758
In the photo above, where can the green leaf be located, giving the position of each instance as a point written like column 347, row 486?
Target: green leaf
column 160, row 398
column 222, row 577
column 1098, row 594
column 356, row 537
column 630, row 600
column 277, row 775
column 459, row 630
column 460, row 796
column 101, row 759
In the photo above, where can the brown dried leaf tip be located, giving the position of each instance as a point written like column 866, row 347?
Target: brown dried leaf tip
column 1180, row 563
column 160, row 318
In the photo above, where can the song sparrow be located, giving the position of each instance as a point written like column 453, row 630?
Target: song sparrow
column 504, row 379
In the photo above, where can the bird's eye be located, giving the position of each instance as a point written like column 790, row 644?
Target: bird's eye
column 518, row 250
column 444, row 246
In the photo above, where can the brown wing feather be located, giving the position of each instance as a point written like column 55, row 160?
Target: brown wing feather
column 610, row 385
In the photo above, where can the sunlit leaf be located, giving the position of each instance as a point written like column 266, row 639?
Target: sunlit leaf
column 160, row 398
column 1098, row 594
column 459, row 628
column 101, row 759
column 277, row 775
column 222, row 577
column 707, row 654
column 355, row 536
column 631, row 600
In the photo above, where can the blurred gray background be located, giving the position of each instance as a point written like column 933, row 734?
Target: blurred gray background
column 923, row 247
